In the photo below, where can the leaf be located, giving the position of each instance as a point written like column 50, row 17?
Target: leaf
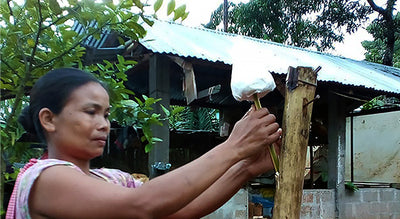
column 171, row 7
column 31, row 42
column 179, row 12
column 6, row 86
column 147, row 21
column 97, row 36
column 138, row 4
column 72, row 2
column 68, row 34
column 120, row 59
column 154, row 140
column 350, row 186
column 157, row 5
column 166, row 111
column 55, row 7
column 129, row 103
column 150, row 101
column 139, row 29
column 148, row 148
column 121, row 40
column 185, row 16
column 139, row 101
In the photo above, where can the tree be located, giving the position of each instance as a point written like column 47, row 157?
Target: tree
column 38, row 35
column 385, row 48
column 302, row 23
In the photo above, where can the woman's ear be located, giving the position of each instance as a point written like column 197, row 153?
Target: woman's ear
column 46, row 118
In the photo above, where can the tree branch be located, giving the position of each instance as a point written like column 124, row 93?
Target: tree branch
column 53, row 23
column 390, row 5
column 13, row 70
column 60, row 18
column 80, row 41
column 9, row 8
column 386, row 13
column 37, row 35
column 375, row 7
column 67, row 51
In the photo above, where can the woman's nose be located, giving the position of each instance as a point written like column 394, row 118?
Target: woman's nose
column 104, row 124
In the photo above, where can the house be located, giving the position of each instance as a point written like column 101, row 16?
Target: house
column 192, row 66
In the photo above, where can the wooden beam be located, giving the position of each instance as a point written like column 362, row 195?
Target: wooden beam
column 300, row 91
column 209, row 91
column 189, row 82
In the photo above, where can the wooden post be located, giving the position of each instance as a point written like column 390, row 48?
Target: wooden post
column 299, row 96
column 336, row 150
column 159, row 87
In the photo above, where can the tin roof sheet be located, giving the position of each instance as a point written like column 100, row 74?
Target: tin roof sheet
column 216, row 46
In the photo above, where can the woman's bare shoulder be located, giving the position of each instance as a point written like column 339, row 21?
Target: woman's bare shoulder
column 59, row 189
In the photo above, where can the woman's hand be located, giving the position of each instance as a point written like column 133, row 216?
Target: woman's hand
column 254, row 132
column 261, row 162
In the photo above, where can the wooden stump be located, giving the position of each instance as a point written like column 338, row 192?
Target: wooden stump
column 296, row 126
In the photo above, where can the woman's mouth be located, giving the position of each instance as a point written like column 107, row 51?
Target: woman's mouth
column 101, row 141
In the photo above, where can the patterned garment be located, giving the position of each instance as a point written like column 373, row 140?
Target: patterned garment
column 18, row 206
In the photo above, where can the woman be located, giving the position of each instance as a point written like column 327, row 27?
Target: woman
column 69, row 111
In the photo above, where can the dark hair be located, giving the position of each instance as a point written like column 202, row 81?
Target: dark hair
column 52, row 91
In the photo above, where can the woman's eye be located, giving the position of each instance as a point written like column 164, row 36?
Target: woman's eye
column 106, row 115
column 91, row 112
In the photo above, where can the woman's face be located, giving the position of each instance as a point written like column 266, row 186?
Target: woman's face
column 82, row 127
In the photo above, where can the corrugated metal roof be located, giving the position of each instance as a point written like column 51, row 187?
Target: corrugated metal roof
column 90, row 40
column 215, row 46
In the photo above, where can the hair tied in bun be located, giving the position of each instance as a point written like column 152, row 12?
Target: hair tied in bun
column 25, row 119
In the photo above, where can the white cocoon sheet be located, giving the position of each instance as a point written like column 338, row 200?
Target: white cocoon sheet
column 249, row 74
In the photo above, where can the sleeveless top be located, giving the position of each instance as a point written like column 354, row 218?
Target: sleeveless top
column 18, row 206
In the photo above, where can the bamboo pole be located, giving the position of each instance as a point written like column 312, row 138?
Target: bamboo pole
column 299, row 96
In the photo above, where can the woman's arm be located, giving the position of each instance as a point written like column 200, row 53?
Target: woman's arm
column 215, row 196
column 61, row 192
column 226, row 186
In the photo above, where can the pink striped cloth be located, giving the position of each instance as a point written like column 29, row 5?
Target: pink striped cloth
column 13, row 199
column 18, row 205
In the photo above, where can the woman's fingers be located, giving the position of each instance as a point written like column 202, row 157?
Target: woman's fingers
column 272, row 132
column 268, row 119
column 257, row 129
column 260, row 113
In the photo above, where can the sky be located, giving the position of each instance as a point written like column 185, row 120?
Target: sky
column 200, row 13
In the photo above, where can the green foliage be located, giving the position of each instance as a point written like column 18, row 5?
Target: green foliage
column 380, row 102
column 157, row 5
column 15, row 129
column 376, row 48
column 350, row 186
column 181, row 117
column 174, row 116
column 140, row 114
column 37, row 36
column 304, row 24
column 171, row 7
column 124, row 110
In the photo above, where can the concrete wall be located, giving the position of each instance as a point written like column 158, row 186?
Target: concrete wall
column 318, row 203
column 235, row 208
column 373, row 203
column 366, row 203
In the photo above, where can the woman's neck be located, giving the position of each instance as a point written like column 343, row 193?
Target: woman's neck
column 84, row 165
